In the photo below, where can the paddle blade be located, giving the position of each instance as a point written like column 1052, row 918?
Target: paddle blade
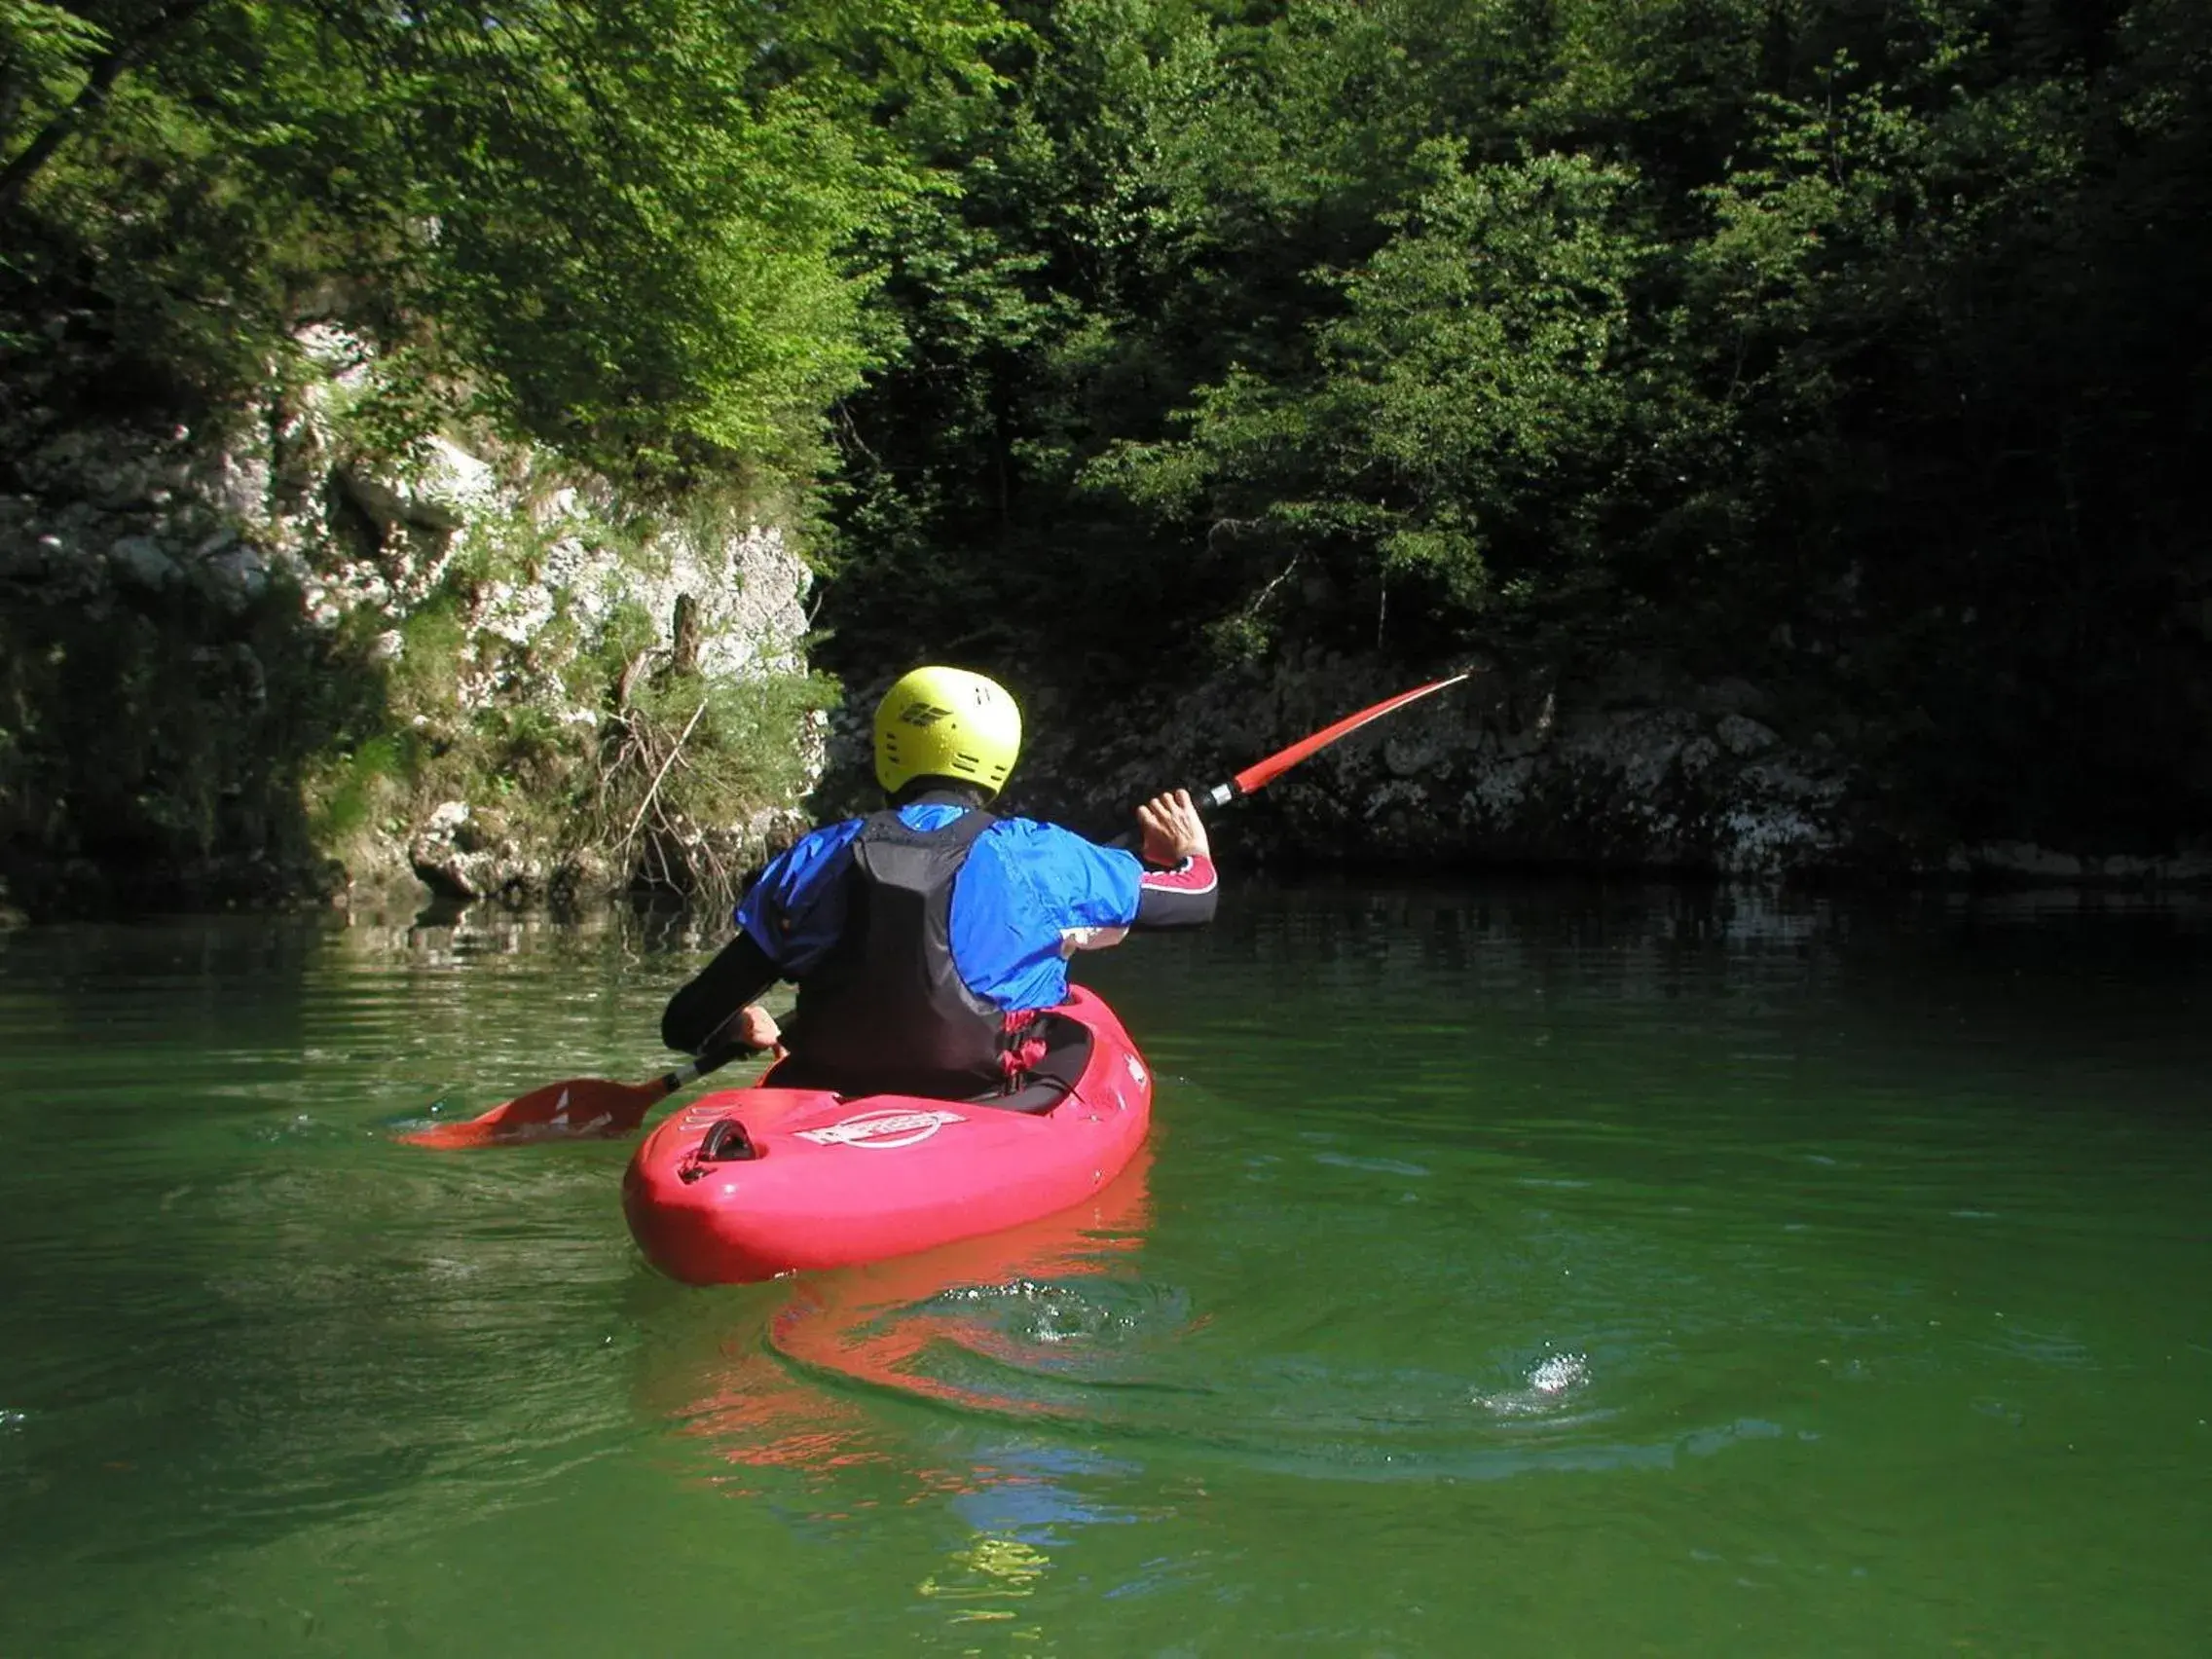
column 582, row 1108
column 1275, row 765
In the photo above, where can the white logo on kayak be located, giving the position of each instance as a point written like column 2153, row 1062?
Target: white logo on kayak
column 882, row 1130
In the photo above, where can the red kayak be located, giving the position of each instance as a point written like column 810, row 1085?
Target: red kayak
column 751, row 1183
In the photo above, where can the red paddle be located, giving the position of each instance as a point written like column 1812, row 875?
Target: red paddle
column 579, row 1109
column 1262, row 772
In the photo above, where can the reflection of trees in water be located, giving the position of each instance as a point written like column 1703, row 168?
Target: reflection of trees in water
column 1611, row 929
column 1500, row 964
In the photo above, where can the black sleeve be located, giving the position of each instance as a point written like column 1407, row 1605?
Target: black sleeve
column 1180, row 898
column 737, row 975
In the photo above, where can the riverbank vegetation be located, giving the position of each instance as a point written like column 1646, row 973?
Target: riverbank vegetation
column 263, row 263
column 1857, row 349
column 626, row 229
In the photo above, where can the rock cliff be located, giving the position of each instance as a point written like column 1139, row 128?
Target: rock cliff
column 283, row 652
column 1635, row 769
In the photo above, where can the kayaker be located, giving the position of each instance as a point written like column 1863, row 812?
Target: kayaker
column 925, row 938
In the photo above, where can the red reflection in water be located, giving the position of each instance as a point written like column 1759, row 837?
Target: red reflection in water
column 771, row 1398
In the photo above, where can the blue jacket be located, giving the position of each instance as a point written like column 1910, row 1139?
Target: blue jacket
column 1028, row 896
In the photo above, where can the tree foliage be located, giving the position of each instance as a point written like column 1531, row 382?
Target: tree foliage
column 1859, row 349
column 631, row 228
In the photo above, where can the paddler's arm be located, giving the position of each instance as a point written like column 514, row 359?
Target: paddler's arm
column 1181, row 889
column 719, row 1004
column 720, row 1000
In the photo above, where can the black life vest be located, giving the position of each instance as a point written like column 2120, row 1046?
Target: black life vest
column 885, row 1009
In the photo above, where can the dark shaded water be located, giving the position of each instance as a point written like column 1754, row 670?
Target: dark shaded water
column 1585, row 1271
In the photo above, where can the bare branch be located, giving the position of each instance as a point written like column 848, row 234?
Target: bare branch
column 653, row 790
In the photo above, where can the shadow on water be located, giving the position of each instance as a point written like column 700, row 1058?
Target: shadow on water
column 162, row 738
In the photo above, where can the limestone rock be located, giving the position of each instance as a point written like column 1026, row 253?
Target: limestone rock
column 523, row 568
column 439, row 487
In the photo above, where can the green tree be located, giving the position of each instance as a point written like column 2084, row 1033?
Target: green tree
column 1463, row 415
column 629, row 227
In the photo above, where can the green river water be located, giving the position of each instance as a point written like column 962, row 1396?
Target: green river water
column 1515, row 1269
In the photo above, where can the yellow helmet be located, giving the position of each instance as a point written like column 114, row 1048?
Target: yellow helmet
column 945, row 723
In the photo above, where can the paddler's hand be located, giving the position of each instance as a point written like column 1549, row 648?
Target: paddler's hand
column 756, row 1027
column 1172, row 830
column 753, row 1025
